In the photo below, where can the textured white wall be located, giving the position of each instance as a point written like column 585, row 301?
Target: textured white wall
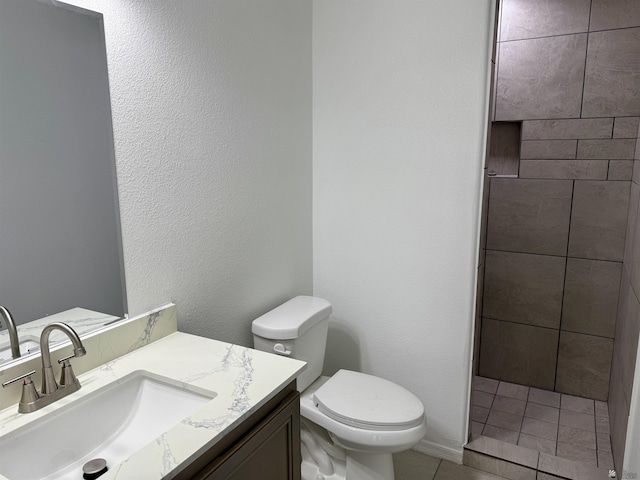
column 400, row 102
column 212, row 124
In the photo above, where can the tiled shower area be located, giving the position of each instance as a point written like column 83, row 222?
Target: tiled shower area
column 559, row 273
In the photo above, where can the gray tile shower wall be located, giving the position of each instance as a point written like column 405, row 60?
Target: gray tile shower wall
column 560, row 306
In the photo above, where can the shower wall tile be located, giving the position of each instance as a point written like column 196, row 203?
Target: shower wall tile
column 632, row 250
column 627, row 335
column 626, row 127
column 529, row 216
column 598, row 220
column 565, row 169
column 616, row 148
column 591, row 297
column 620, row 170
column 517, row 353
column 618, row 417
column 548, row 149
column 584, row 364
column 524, row 288
column 543, row 18
column 612, row 60
column 535, row 85
column 567, row 129
column 611, row 14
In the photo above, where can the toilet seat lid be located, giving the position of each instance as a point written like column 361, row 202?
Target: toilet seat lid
column 368, row 402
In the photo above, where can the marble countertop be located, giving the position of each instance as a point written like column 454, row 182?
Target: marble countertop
column 243, row 380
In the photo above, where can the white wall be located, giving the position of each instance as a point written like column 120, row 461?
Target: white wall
column 400, row 102
column 212, row 124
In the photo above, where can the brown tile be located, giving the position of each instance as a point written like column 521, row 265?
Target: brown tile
column 542, row 412
column 616, row 149
column 632, row 253
column 591, row 291
column 534, row 85
column 518, row 353
column 452, row 471
column 620, row 170
column 564, row 468
column 577, row 404
column 577, row 420
column 497, row 466
column 580, row 372
column 504, row 148
column 511, row 453
column 548, row 149
column 476, row 428
column 544, row 397
column 619, row 418
column 603, row 442
column 577, row 437
column 538, row 428
column 479, row 414
column 627, row 335
column 602, row 425
column 529, row 215
column 504, row 420
column 609, row 15
column 566, row 169
column 482, row 399
column 601, row 408
column 546, row 476
column 509, row 405
column 598, row 220
column 583, row 128
column 608, row 64
column 605, row 460
column 626, row 127
column 537, row 443
column 542, row 18
column 483, row 384
column 524, row 288
column 501, row 434
column 513, row 390
column 583, row 455
column 412, row 465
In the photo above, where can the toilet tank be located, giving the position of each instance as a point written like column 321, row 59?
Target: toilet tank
column 296, row 329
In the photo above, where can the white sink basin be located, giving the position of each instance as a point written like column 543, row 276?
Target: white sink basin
column 111, row 423
column 27, row 345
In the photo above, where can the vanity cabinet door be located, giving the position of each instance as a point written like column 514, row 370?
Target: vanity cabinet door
column 270, row 451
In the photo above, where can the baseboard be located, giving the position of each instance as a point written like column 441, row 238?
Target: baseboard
column 440, row 451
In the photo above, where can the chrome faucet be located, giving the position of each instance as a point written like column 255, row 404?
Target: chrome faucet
column 31, row 400
column 13, row 331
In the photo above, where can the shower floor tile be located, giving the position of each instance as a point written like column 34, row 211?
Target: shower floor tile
column 553, row 423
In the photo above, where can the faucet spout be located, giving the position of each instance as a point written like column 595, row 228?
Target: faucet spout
column 13, row 332
column 49, row 384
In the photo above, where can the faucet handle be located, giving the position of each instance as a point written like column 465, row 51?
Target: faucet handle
column 67, row 377
column 29, row 392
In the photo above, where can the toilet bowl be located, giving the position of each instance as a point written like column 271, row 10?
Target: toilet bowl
column 352, row 422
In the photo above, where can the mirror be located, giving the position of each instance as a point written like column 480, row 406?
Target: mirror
column 60, row 242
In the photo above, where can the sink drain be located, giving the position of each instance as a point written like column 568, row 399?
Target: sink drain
column 94, row 468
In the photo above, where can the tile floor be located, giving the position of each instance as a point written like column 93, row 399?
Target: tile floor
column 412, row 465
column 562, row 425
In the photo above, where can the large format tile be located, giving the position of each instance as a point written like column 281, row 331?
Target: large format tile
column 632, row 252
column 497, row 466
column 591, row 291
column 612, row 14
column 548, row 149
column 579, row 128
column 569, row 169
column 542, row 18
column 511, row 453
column 620, row 170
column 612, row 59
column 605, row 460
column 524, row 288
column 627, row 334
column 625, row 127
column 518, row 353
column 451, row 471
column 598, row 220
column 532, row 84
column 584, row 364
column 614, row 148
column 529, row 216
column 619, row 418
column 412, row 465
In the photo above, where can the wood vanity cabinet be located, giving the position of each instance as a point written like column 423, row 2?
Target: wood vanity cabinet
column 266, row 446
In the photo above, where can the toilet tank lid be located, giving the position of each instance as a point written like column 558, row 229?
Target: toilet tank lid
column 292, row 318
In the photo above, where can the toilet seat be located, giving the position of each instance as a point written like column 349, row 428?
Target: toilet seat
column 367, row 402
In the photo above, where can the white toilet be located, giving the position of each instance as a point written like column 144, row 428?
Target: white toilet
column 351, row 422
